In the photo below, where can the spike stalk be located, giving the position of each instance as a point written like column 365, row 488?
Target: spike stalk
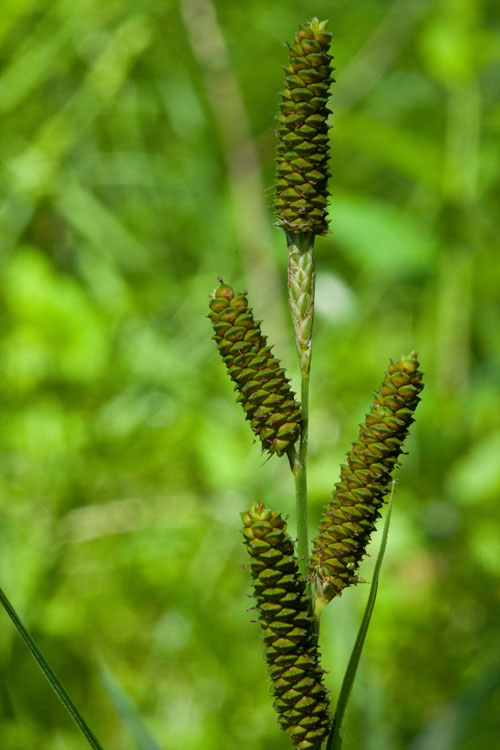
column 301, row 300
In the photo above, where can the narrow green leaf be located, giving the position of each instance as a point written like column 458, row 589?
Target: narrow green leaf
column 50, row 675
column 336, row 736
column 127, row 711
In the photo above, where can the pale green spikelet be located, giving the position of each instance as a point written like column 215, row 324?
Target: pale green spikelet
column 302, row 152
column 349, row 518
column 264, row 390
column 291, row 649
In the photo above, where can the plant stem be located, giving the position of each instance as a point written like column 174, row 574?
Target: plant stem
column 301, row 300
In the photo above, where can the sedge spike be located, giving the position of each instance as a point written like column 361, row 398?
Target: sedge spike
column 350, row 516
column 263, row 388
column 291, row 648
column 301, row 188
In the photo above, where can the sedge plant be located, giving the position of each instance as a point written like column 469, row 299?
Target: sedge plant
column 293, row 585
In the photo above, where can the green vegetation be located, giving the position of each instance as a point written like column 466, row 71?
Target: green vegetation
column 136, row 143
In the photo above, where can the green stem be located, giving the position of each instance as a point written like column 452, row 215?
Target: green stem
column 336, row 738
column 301, row 299
column 300, row 475
column 53, row 680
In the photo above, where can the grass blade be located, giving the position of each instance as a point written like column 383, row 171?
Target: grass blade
column 336, row 737
column 51, row 677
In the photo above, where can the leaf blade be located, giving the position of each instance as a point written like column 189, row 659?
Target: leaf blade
column 336, row 736
column 49, row 674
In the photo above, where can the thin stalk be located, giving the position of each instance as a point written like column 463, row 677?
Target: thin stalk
column 300, row 475
column 301, row 300
column 51, row 677
column 336, row 738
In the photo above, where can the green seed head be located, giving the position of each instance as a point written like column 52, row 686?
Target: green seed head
column 350, row 516
column 301, row 188
column 290, row 645
column 263, row 389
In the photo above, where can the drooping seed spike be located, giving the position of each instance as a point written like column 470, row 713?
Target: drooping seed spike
column 290, row 645
column 301, row 187
column 262, row 386
column 350, row 516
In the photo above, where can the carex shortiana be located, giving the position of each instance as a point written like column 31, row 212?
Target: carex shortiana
column 263, row 388
column 349, row 518
column 301, row 188
column 290, row 644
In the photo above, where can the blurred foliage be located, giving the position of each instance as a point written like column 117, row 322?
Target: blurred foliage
column 137, row 141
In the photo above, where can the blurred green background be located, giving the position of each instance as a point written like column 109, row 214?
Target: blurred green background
column 137, row 142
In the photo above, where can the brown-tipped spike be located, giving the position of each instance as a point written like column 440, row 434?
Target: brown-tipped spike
column 355, row 506
column 262, row 385
column 290, row 641
column 302, row 151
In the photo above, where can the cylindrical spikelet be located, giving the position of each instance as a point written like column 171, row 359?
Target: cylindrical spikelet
column 291, row 649
column 349, row 518
column 302, row 152
column 264, row 391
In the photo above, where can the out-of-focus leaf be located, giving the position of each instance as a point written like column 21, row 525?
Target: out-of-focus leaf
column 58, row 332
column 475, row 476
column 413, row 155
column 127, row 710
column 382, row 240
column 455, row 727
